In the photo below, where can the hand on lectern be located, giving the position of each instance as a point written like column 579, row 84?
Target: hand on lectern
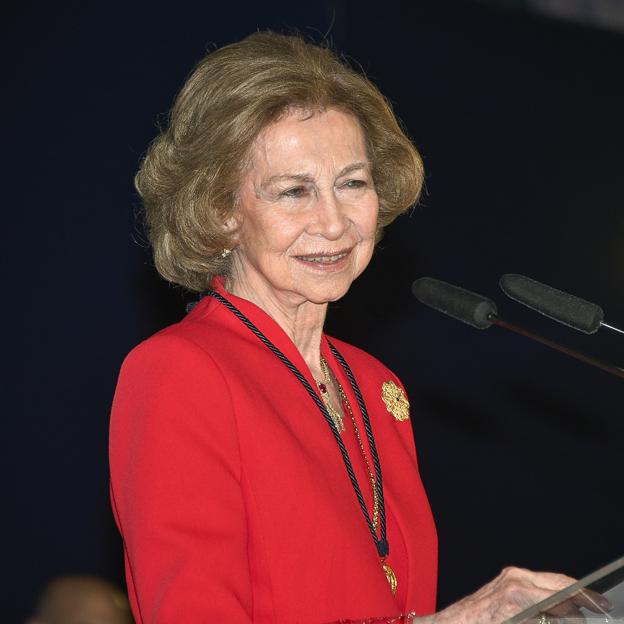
column 514, row 590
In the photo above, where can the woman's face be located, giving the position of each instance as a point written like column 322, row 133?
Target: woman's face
column 307, row 212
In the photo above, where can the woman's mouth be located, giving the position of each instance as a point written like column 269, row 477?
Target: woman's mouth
column 325, row 260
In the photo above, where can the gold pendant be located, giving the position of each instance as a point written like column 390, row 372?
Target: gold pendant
column 391, row 576
column 395, row 400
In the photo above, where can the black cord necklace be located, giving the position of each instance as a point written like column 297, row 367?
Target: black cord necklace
column 381, row 542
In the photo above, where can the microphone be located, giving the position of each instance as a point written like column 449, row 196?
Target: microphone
column 557, row 305
column 481, row 312
column 456, row 302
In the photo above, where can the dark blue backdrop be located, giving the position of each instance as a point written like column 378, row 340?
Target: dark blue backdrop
column 520, row 124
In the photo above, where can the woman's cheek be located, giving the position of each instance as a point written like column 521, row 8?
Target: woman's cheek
column 372, row 222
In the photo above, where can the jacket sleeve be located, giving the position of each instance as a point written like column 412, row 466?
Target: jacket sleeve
column 175, row 486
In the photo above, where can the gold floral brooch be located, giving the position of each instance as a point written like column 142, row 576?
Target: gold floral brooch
column 395, row 400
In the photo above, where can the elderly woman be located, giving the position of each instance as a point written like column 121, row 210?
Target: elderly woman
column 248, row 447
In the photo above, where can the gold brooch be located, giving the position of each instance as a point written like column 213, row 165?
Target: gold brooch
column 395, row 400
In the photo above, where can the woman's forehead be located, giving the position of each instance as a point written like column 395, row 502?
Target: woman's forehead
column 300, row 142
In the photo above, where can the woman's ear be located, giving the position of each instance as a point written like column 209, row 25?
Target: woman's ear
column 232, row 225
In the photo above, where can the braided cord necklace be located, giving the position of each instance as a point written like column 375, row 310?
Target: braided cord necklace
column 381, row 542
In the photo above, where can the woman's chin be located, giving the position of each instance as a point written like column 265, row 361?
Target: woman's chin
column 322, row 295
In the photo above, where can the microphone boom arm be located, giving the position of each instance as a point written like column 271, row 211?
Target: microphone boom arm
column 609, row 368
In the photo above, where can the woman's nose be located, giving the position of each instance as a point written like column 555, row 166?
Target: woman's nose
column 328, row 218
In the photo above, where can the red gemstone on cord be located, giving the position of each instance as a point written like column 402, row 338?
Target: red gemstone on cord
column 322, row 388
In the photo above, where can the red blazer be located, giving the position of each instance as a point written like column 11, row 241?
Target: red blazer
column 230, row 491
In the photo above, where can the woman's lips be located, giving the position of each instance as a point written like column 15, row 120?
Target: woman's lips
column 325, row 261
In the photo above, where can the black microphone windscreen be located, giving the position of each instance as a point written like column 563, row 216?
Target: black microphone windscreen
column 555, row 304
column 454, row 301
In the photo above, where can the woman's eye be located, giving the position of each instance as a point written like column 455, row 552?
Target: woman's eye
column 355, row 184
column 294, row 192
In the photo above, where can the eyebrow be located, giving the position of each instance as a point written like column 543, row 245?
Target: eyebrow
column 364, row 164
column 305, row 177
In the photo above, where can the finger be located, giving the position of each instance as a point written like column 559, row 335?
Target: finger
column 570, row 609
column 566, row 609
column 592, row 600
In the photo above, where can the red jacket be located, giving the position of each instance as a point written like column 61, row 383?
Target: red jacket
column 230, row 491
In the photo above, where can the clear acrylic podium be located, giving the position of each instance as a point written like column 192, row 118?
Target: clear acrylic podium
column 565, row 607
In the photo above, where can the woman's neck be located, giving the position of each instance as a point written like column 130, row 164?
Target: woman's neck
column 301, row 320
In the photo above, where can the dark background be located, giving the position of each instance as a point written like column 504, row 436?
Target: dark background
column 520, row 123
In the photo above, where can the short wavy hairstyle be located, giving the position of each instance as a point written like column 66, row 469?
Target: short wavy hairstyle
column 190, row 175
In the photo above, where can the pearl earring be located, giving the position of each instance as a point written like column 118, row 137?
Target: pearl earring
column 225, row 253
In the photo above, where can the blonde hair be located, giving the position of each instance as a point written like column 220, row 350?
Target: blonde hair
column 190, row 176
